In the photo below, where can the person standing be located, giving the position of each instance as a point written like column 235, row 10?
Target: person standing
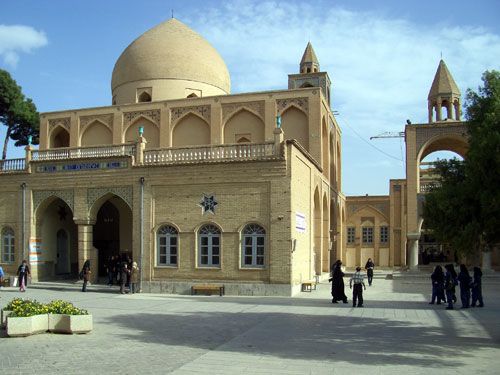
column 477, row 293
column 359, row 284
column 123, row 276
column 110, row 264
column 2, row 274
column 134, row 277
column 450, row 281
column 23, row 272
column 465, row 282
column 86, row 274
column 369, row 266
column 337, row 280
column 437, row 279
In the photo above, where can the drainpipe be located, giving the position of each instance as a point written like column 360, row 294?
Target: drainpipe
column 23, row 223
column 141, row 246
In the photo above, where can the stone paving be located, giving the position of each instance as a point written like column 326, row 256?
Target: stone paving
column 396, row 332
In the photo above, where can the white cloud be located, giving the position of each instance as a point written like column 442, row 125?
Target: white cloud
column 381, row 69
column 16, row 39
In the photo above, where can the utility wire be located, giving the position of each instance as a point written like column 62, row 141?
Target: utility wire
column 371, row 145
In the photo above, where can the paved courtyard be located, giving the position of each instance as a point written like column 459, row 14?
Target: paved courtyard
column 396, row 332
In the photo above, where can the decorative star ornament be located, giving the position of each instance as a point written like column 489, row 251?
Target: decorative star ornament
column 208, row 203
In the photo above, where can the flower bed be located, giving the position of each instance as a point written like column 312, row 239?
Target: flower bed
column 27, row 317
column 66, row 318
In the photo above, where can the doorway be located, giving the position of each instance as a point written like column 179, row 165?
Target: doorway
column 62, row 247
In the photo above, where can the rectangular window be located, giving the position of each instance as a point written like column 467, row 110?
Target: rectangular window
column 367, row 235
column 210, row 250
column 384, row 234
column 8, row 248
column 351, row 234
column 167, row 250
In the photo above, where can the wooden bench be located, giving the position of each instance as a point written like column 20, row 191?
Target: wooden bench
column 207, row 289
column 308, row 286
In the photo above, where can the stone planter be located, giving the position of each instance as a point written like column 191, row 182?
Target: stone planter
column 62, row 323
column 5, row 314
column 25, row 326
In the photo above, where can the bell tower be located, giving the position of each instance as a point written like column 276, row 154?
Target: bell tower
column 444, row 97
column 309, row 74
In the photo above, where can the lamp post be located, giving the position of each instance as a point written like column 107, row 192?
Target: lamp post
column 23, row 224
column 141, row 230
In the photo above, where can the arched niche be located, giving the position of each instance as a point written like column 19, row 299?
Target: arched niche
column 317, row 232
column 151, row 133
column 96, row 133
column 325, row 263
column 295, row 126
column 244, row 124
column 113, row 228
column 324, row 148
column 59, row 138
column 57, row 237
column 191, row 130
column 144, row 97
column 333, row 173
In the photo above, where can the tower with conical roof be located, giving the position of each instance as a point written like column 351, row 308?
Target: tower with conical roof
column 309, row 62
column 310, row 74
column 444, row 96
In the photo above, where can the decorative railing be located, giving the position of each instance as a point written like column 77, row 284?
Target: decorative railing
column 427, row 186
column 84, row 152
column 246, row 151
column 11, row 165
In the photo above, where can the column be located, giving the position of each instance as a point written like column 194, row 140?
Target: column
column 449, row 108
column 438, row 111
column 486, row 260
column 86, row 250
column 413, row 250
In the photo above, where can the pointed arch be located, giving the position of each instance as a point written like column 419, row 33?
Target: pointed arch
column 144, row 97
column 444, row 142
column 96, row 133
column 190, row 130
column 151, row 132
column 294, row 123
column 59, row 137
column 244, row 122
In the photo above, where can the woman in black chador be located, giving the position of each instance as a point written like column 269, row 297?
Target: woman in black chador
column 338, row 283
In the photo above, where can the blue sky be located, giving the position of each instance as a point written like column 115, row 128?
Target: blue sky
column 380, row 55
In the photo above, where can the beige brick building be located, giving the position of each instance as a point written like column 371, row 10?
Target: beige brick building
column 194, row 183
column 390, row 228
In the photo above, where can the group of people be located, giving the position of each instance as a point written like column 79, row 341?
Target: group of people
column 444, row 283
column 356, row 281
column 122, row 270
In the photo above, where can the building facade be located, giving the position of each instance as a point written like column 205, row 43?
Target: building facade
column 194, row 183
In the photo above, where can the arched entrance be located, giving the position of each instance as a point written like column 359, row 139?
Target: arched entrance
column 54, row 249
column 112, row 231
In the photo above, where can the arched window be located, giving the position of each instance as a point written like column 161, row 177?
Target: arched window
column 167, row 245
column 144, row 97
column 192, row 95
column 253, row 246
column 7, row 245
column 209, row 246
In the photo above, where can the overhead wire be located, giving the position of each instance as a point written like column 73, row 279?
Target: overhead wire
column 371, row 145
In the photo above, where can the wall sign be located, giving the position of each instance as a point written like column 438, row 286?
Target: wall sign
column 300, row 222
column 76, row 167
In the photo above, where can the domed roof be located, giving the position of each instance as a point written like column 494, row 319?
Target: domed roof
column 171, row 50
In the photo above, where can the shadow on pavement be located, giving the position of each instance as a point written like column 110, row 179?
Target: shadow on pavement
column 358, row 340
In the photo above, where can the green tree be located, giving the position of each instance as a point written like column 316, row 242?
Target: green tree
column 464, row 210
column 17, row 113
